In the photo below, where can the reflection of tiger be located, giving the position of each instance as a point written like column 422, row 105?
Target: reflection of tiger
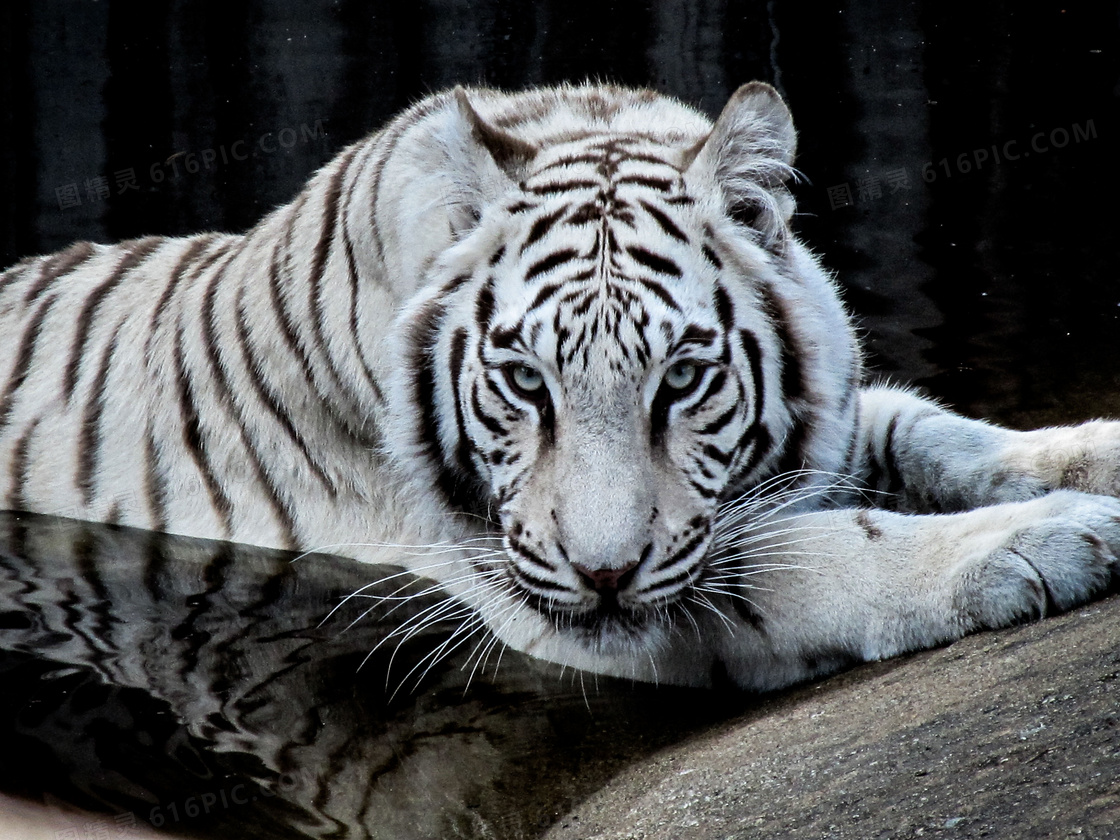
column 184, row 684
column 575, row 320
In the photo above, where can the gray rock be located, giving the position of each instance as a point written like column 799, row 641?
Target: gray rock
column 1013, row 734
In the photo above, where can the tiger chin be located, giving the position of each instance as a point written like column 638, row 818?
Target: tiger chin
column 561, row 352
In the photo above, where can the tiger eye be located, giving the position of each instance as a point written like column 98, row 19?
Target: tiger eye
column 526, row 379
column 682, row 376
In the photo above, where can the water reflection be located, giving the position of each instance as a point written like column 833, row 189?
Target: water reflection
column 191, row 685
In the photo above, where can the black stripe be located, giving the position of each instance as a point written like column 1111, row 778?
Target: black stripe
column 681, row 553
column 545, row 293
column 793, row 447
column 197, row 245
column 505, row 338
column 514, row 412
column 756, row 431
column 720, row 423
column 719, row 379
column 850, row 391
column 57, row 266
column 491, row 423
column 529, row 580
column 660, row 291
column 725, row 311
column 20, row 271
column 794, row 385
column 209, row 338
column 594, row 158
column 421, row 361
column 760, row 438
column 702, row 466
column 590, row 211
column 662, row 219
column 271, row 401
column 695, row 334
column 672, row 583
column 563, row 186
column 718, row 455
column 754, row 358
column 747, row 612
column 20, row 469
column 89, row 436
column 541, row 227
column 524, row 551
column 287, row 325
column 28, row 343
column 318, row 266
column 631, row 157
column 137, row 252
column 355, row 333
column 654, row 262
column 484, row 306
column 155, row 482
column 550, row 262
column 659, row 184
column 225, row 395
column 455, row 369
column 712, row 257
column 194, row 440
column 890, row 465
column 847, row 466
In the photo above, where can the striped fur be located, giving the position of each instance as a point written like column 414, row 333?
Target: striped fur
column 574, row 318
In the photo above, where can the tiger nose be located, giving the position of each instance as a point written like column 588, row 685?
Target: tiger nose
column 607, row 580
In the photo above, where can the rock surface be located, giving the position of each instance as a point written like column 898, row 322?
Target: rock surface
column 1011, row 734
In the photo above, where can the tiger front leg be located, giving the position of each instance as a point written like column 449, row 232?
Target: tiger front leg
column 848, row 586
column 917, row 457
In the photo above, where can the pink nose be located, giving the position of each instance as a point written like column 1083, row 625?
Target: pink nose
column 605, row 579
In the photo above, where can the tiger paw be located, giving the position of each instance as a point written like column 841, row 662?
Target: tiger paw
column 1084, row 458
column 1067, row 555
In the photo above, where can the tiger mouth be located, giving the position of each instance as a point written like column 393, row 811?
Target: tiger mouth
column 620, row 609
column 606, row 619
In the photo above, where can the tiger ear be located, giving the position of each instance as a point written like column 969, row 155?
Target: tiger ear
column 749, row 152
column 510, row 153
column 492, row 160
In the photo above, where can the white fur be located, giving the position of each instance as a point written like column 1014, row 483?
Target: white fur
column 315, row 440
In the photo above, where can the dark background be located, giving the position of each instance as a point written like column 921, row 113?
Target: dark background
column 994, row 286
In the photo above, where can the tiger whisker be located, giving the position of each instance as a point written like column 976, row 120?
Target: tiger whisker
column 770, row 540
column 446, row 648
column 754, row 605
column 490, row 644
column 412, row 574
column 482, row 579
column 698, row 596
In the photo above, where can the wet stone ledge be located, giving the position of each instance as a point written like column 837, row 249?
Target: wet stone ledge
column 1011, row 734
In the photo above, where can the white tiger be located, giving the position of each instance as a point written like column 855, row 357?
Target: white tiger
column 565, row 344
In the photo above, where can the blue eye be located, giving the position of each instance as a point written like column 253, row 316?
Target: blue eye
column 526, row 381
column 682, row 376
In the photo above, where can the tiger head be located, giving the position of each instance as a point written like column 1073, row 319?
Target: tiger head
column 616, row 335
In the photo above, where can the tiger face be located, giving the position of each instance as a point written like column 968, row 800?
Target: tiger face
column 598, row 367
